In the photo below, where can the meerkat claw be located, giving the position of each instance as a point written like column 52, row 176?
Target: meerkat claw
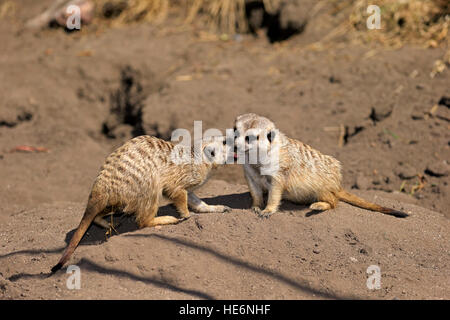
column 183, row 218
column 256, row 210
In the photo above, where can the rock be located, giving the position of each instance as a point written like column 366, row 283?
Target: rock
column 8, row 290
column 294, row 14
column 57, row 12
column 445, row 101
column 14, row 113
column 380, row 112
column 376, row 181
column 442, row 113
column 417, row 115
column 282, row 19
column 405, row 171
column 86, row 8
column 363, row 251
column 438, row 169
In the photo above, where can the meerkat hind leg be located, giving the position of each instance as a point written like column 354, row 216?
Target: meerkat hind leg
column 320, row 206
column 163, row 220
column 198, row 205
column 180, row 201
column 151, row 220
column 101, row 222
column 104, row 224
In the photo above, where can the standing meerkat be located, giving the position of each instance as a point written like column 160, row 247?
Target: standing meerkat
column 290, row 169
column 135, row 176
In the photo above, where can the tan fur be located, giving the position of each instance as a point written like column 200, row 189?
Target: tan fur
column 304, row 174
column 135, row 177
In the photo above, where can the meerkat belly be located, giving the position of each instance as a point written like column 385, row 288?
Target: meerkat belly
column 304, row 186
column 300, row 193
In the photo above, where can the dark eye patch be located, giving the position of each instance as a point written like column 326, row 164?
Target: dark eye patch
column 271, row 136
column 251, row 138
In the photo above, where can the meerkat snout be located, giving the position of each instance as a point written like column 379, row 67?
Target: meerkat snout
column 253, row 132
column 216, row 151
column 256, row 145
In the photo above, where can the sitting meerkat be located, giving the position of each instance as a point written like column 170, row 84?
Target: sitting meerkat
column 135, row 176
column 289, row 169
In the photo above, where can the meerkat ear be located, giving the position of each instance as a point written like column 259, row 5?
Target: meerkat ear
column 271, row 136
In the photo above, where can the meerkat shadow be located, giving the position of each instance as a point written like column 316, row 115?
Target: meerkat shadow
column 313, row 213
column 122, row 223
column 95, row 234
column 287, row 205
column 235, row 200
column 244, row 201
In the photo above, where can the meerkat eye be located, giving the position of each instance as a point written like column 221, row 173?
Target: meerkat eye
column 270, row 136
column 224, row 142
column 213, row 154
column 247, row 139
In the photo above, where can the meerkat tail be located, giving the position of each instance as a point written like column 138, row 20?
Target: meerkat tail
column 93, row 208
column 361, row 203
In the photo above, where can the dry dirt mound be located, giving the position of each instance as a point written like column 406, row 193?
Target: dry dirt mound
column 293, row 255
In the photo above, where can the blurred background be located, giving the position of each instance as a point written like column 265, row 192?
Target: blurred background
column 377, row 99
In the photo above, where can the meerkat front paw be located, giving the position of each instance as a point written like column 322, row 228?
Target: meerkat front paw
column 266, row 213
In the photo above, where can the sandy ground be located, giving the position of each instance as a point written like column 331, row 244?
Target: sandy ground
column 66, row 92
column 292, row 255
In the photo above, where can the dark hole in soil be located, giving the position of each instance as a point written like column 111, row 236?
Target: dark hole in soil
column 445, row 101
column 24, row 116
column 113, row 10
column 259, row 18
column 126, row 105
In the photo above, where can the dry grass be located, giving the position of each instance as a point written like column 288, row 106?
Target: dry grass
column 225, row 16
column 423, row 22
column 120, row 12
column 7, row 9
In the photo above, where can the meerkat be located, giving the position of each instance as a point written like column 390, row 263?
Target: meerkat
column 135, row 176
column 295, row 172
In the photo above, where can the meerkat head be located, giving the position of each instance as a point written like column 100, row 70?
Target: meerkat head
column 216, row 151
column 254, row 133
